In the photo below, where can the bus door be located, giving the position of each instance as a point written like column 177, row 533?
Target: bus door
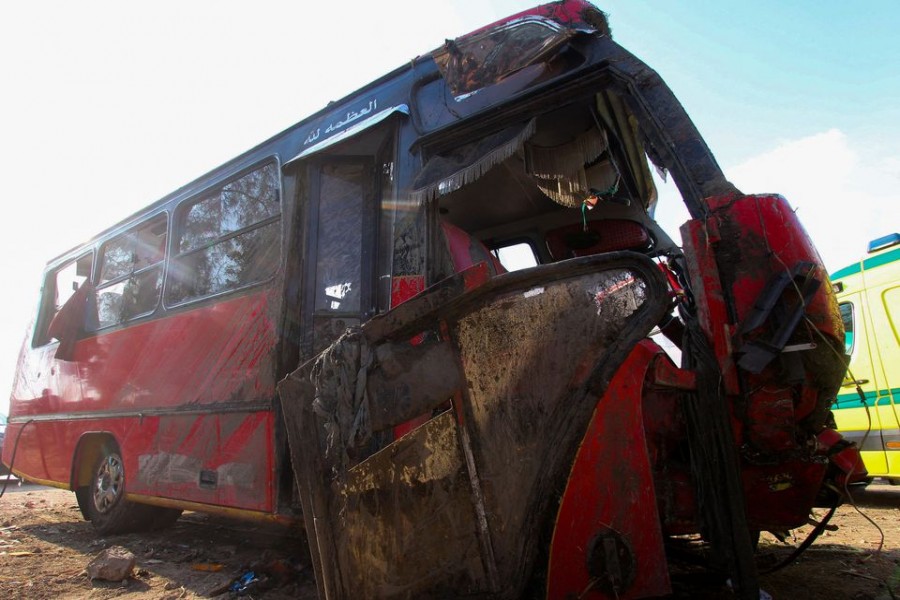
column 340, row 292
column 862, row 422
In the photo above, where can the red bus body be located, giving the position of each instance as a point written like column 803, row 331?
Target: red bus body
column 323, row 331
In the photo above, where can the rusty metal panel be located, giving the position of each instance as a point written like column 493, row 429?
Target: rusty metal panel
column 396, row 504
column 462, row 504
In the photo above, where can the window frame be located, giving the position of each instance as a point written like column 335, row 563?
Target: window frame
column 47, row 309
column 177, row 230
column 853, row 321
column 160, row 264
column 495, row 246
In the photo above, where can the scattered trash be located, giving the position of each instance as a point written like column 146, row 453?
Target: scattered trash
column 21, row 553
column 113, row 564
column 244, row 583
column 208, row 567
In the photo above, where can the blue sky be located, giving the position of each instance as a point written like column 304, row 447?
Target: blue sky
column 106, row 106
column 753, row 72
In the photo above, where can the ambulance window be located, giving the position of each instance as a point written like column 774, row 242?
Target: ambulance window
column 847, row 318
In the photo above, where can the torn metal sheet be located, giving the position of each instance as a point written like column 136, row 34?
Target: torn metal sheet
column 458, row 505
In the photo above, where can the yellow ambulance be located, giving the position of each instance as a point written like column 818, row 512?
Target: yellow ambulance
column 867, row 409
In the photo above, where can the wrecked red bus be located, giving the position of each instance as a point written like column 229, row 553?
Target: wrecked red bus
column 328, row 329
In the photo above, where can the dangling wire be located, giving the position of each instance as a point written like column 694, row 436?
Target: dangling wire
column 12, row 460
column 595, row 197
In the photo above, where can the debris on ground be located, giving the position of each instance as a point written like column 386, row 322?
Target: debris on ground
column 113, row 564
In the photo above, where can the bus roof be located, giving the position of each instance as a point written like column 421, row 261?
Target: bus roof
column 565, row 12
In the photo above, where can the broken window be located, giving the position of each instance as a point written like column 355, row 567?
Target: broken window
column 60, row 285
column 228, row 239
column 130, row 279
column 516, row 256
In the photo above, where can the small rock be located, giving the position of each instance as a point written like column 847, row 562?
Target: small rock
column 112, row 564
column 171, row 585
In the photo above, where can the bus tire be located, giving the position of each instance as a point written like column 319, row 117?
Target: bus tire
column 106, row 506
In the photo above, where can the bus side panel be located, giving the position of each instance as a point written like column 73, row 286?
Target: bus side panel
column 197, row 384
column 223, row 459
column 212, row 355
column 45, row 450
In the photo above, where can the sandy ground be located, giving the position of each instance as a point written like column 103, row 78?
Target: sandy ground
column 45, row 546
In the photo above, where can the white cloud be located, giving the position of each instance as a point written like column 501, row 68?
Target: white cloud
column 842, row 189
column 842, row 195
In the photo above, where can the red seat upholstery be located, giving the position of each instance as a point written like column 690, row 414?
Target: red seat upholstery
column 466, row 251
column 607, row 235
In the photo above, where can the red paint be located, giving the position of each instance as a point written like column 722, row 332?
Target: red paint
column 611, row 486
column 196, row 360
column 845, row 458
column 466, row 251
column 712, row 308
column 568, row 12
column 732, row 256
column 404, row 288
column 772, row 240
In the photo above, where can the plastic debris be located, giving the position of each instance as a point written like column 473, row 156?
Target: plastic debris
column 244, row 582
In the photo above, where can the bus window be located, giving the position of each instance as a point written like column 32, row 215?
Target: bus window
column 516, row 256
column 228, row 239
column 338, row 274
column 59, row 287
column 131, row 273
column 847, row 318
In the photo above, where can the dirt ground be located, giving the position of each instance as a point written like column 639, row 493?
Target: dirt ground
column 45, row 546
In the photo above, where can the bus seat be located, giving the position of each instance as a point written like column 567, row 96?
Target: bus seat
column 605, row 235
column 466, row 251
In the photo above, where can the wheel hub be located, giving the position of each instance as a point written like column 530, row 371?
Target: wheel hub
column 108, row 483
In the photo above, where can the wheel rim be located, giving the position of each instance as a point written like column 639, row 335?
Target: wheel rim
column 108, row 483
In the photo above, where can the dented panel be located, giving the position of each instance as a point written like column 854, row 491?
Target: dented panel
column 531, row 360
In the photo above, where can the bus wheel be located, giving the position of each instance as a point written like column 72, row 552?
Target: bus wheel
column 106, row 506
